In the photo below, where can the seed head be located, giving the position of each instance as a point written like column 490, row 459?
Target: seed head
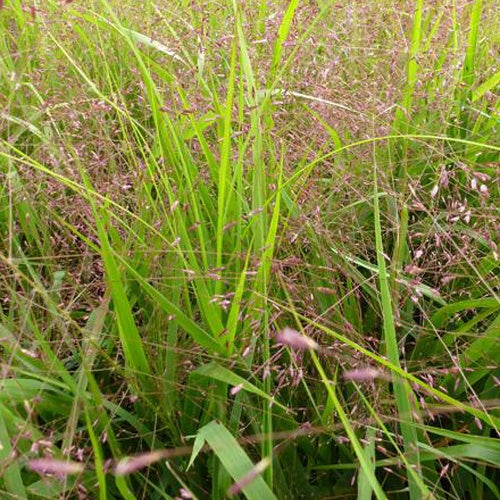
column 293, row 339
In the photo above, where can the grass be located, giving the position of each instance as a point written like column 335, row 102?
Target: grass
column 249, row 249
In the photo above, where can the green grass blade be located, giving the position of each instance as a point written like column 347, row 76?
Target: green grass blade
column 185, row 322
column 364, row 463
column 487, row 86
column 218, row 372
column 283, row 32
column 402, row 389
column 131, row 341
column 365, row 489
column 10, row 470
column 235, row 461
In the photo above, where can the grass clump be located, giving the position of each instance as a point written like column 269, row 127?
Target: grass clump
column 249, row 250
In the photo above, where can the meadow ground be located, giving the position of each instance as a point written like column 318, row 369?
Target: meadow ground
column 249, row 249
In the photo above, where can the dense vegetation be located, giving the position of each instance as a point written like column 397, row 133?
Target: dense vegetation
column 249, row 249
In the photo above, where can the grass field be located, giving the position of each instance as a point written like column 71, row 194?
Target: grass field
column 249, row 249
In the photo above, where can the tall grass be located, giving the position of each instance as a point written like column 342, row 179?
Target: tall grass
column 249, row 250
